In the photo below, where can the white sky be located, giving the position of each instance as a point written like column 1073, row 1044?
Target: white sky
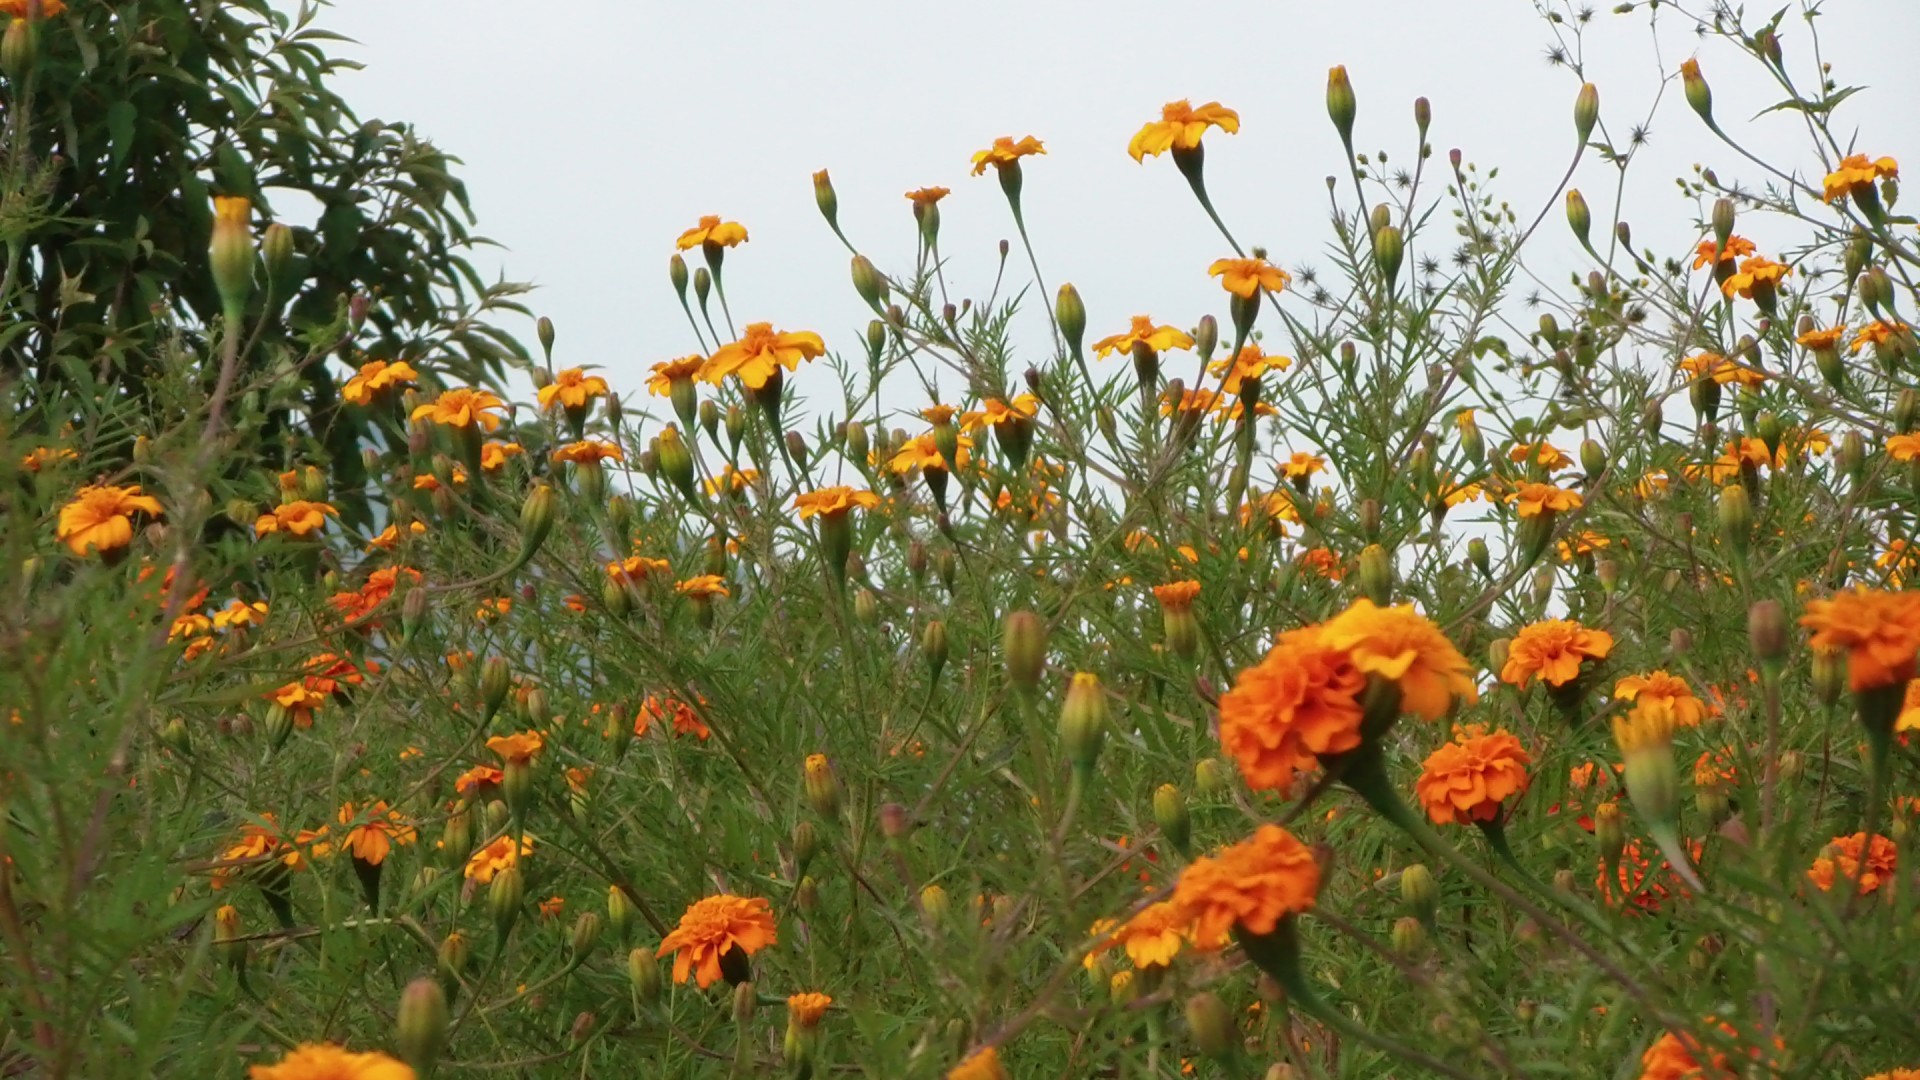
column 594, row 132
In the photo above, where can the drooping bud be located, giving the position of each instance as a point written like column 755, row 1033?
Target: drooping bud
column 1579, row 217
column 825, row 199
column 421, row 1024
column 1699, row 95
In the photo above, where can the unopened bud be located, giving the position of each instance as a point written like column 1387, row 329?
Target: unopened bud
column 1767, row 630
column 1083, row 720
column 1699, row 95
column 1071, row 314
column 1341, row 105
column 1024, row 645
column 825, row 199
column 1170, row 813
column 1579, row 217
column 421, row 1025
column 823, row 789
column 1829, row 675
column 1388, row 250
column 933, row 644
column 1209, row 1019
column 496, row 679
column 1419, row 892
column 620, row 912
column 1479, row 556
column 1735, row 514
column 1376, row 574
column 504, row 899
column 868, row 283
column 643, row 974
column 586, row 934
column 1409, row 936
column 1586, row 111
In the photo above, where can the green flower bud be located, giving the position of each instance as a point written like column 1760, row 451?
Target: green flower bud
column 1586, row 111
column 1341, row 105
column 421, row 1024
column 1083, row 720
column 1170, row 813
column 1024, row 646
column 1208, row 1018
column 1072, row 317
column 1579, row 217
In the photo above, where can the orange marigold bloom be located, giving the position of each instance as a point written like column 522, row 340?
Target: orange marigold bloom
column 636, row 569
column 478, row 781
column 1180, row 127
column 375, row 831
column 1402, row 646
column 1828, row 338
column 1157, row 338
column 1467, row 779
column 495, row 856
column 493, row 458
column 588, row 451
column 389, row 537
column 712, row 230
column 42, row 457
column 763, row 351
column 1867, row 871
column 927, row 196
column 100, row 518
column 1897, row 1074
column 1005, row 152
column 1153, row 937
column 1251, row 363
column 994, row 412
column 1301, row 465
column 1879, row 631
column 521, row 746
column 573, row 388
column 1543, row 454
column 1909, row 717
column 300, row 701
column 1534, row 499
column 1190, row 403
column 1758, row 270
column 704, row 587
column 667, row 373
column 1713, row 366
column 714, row 927
column 376, row 376
column 923, row 452
column 325, row 1061
column 1245, row 277
column 807, row 1009
column 685, row 720
column 1709, row 253
column 301, row 518
column 1857, row 171
column 1877, row 334
column 1178, row 595
column 463, row 407
column 1299, row 702
column 1553, row 650
column 1251, row 885
column 1688, row 710
column 834, row 502
column 1678, row 1057
column 48, row 9
column 982, row 1064
column 238, row 614
column 1903, row 447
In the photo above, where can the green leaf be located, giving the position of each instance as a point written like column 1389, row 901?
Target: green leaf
column 120, row 118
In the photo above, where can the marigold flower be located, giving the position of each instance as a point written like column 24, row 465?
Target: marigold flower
column 685, row 720
column 300, row 701
column 712, row 230
column 714, row 927
column 100, row 518
column 923, row 452
column 376, row 376
column 1868, row 871
column 1720, row 370
column 667, row 373
column 1004, row 152
column 982, row 1064
column 1180, row 127
column 1404, row 647
column 18, row 8
column 1758, row 270
column 1903, row 447
column 301, row 518
column 1151, row 938
column 493, row 458
column 463, row 407
column 521, row 746
column 572, row 388
column 588, row 452
column 1301, row 465
column 1710, row 253
column 1251, row 363
column 1157, row 338
column 1190, row 402
column 496, row 855
column 1688, row 710
column 1677, row 1057
column 1543, row 454
column 1857, row 171
column 807, row 1008
column 1245, row 277
column 43, row 457
column 994, row 412
column 1877, row 333
column 375, row 831
column 636, row 569
column 927, row 196
column 1828, row 338
column 239, row 614
column 1552, row 650
column 1297, row 703
column 760, row 353
column 1533, row 500
column 1251, row 885
column 704, row 587
column 325, row 1061
column 834, row 501
column 1879, row 631
column 1466, row 780
column 478, row 781
column 1178, row 595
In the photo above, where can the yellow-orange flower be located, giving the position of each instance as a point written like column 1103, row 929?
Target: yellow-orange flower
column 375, row 831
column 1153, row 937
column 1180, row 127
column 48, row 9
column 1828, row 338
column 573, row 388
column 1552, row 650
column 1678, row 1057
column 100, row 518
column 588, row 452
column 1688, row 710
column 521, row 746
column 1404, row 647
column 1544, row 454
column 1758, row 270
column 994, row 412
column 927, row 196
column 375, row 376
column 982, row 1064
column 1301, row 465
column 301, row 518
column 463, row 407
column 1245, row 277
column 1868, row 866
column 807, row 1008
column 496, row 856
column 1297, row 703
column 1466, row 780
column 1857, row 171
column 713, row 927
column 636, row 569
column 325, row 1061
column 1157, row 338
column 834, row 501
column 1005, row 151
column 1251, row 363
column 923, row 452
column 1903, row 447
column 1709, row 253
column 42, row 457
column 667, row 373
column 702, row 588
column 1877, row 333
column 1713, row 366
column 493, row 457
column 712, row 230
column 1251, row 885
column 763, row 351
column 1879, row 631
column 1533, row 499
column 1177, row 596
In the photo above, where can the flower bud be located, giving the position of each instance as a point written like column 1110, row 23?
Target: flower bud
column 1767, row 630
column 895, row 821
column 1906, row 411
column 744, row 1000
column 1699, row 95
column 825, row 199
column 868, row 283
column 278, row 726
column 421, row 1024
column 1680, row 641
column 450, row 960
column 504, row 898
column 806, row 895
column 823, row 790
column 643, row 974
column 866, row 607
column 1170, row 813
column 1071, row 314
column 620, row 912
column 1593, row 459
column 1083, row 720
column 1376, row 574
column 1497, row 652
column 676, row 461
column 1722, row 221
column 806, row 842
column 1024, row 645
column 1409, row 936
column 934, row 905
column 1387, row 252
column 1479, row 556
column 1610, row 832
column 1422, row 116
column 1735, row 514
column 18, row 50
column 1341, row 105
column 1853, row 456
column 226, row 934
column 536, row 520
column 1586, row 111
column 1420, row 892
column 1579, row 217
column 586, row 934
column 495, row 681
column 230, row 258
column 856, row 442
column 1208, row 1018
column 933, row 645
column 276, row 249
column 1829, row 675
column 702, row 285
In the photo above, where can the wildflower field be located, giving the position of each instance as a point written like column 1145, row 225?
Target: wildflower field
column 1413, row 667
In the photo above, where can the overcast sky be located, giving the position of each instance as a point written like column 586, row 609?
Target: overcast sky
column 594, row 133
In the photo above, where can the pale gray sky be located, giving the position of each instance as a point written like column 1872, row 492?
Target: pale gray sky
column 594, row 132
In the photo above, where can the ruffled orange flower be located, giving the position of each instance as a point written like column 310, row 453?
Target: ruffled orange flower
column 522, row 746
column 1245, row 277
column 1868, row 866
column 923, row 452
column 982, row 1064
column 1151, row 939
column 325, row 1061
column 1466, row 780
column 1157, row 338
column 712, row 230
column 1533, row 500
column 588, row 452
column 376, row 376
column 18, row 8
column 1004, row 152
column 1710, row 253
column 1251, row 363
column 1404, row 647
column 1251, row 885
column 495, row 856
column 478, row 782
column 1856, row 172
column 669, row 372
column 1758, row 270
column 685, row 720
column 1177, row 596
column 1827, row 338
column 1552, row 650
column 807, row 1008
column 1679, row 1057
column 834, row 502
column 572, row 388
column 994, row 412
column 300, row 518
column 1180, row 127
column 1877, row 333
column 44, row 457
column 493, row 458
column 1688, row 710
column 713, row 929
column 1909, row 716
column 636, row 569
column 702, row 588
column 927, row 196
column 100, row 519
column 1299, row 702
column 463, row 407
column 1544, row 454
column 375, row 831
column 1713, row 366
column 758, row 355
column 1300, row 465
column 1879, row 631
